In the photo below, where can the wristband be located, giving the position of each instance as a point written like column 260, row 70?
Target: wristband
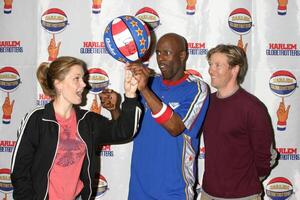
column 163, row 115
column 7, row 9
column 282, row 10
column 281, row 126
column 162, row 110
column 51, row 58
column 190, row 10
column 96, row 9
column 6, row 119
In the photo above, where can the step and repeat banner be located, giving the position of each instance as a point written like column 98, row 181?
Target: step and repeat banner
column 32, row 32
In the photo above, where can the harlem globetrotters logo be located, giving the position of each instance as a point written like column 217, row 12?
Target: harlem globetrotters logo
column 283, row 84
column 11, row 46
column 240, row 22
column 279, row 188
column 6, row 187
column 282, row 49
column 9, row 82
column 98, row 81
column 54, row 21
column 9, row 79
column 149, row 16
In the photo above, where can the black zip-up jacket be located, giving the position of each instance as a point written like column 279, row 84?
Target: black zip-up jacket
column 37, row 145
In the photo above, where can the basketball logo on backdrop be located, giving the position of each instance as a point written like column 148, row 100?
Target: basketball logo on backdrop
column 149, row 16
column 191, row 7
column 240, row 22
column 98, row 81
column 5, row 182
column 9, row 79
column 279, row 188
column 96, row 8
column 54, row 21
column 283, row 84
column 8, row 6
column 282, row 7
column 100, row 186
column 9, row 82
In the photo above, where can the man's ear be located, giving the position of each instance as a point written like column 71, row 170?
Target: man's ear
column 183, row 56
column 236, row 70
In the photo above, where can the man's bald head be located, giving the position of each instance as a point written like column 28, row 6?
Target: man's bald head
column 174, row 39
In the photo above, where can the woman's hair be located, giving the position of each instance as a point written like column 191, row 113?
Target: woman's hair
column 235, row 56
column 56, row 70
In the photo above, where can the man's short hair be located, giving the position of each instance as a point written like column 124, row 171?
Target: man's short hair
column 236, row 57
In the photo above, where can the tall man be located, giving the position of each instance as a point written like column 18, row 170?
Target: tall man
column 238, row 134
column 165, row 149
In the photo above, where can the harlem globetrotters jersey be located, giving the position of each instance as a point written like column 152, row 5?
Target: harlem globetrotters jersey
column 163, row 166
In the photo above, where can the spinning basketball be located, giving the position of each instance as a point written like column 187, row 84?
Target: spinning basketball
column 127, row 38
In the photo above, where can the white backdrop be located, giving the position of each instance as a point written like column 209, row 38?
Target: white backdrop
column 270, row 38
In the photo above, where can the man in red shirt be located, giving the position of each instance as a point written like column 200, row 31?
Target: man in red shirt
column 238, row 133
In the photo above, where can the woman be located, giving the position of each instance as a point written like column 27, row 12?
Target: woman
column 54, row 157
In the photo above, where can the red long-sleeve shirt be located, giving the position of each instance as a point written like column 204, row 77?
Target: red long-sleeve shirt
column 238, row 138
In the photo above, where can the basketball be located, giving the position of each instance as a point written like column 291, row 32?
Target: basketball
column 54, row 20
column 98, row 80
column 9, row 79
column 279, row 188
column 5, row 182
column 283, row 83
column 100, row 186
column 127, row 38
column 149, row 16
column 240, row 21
